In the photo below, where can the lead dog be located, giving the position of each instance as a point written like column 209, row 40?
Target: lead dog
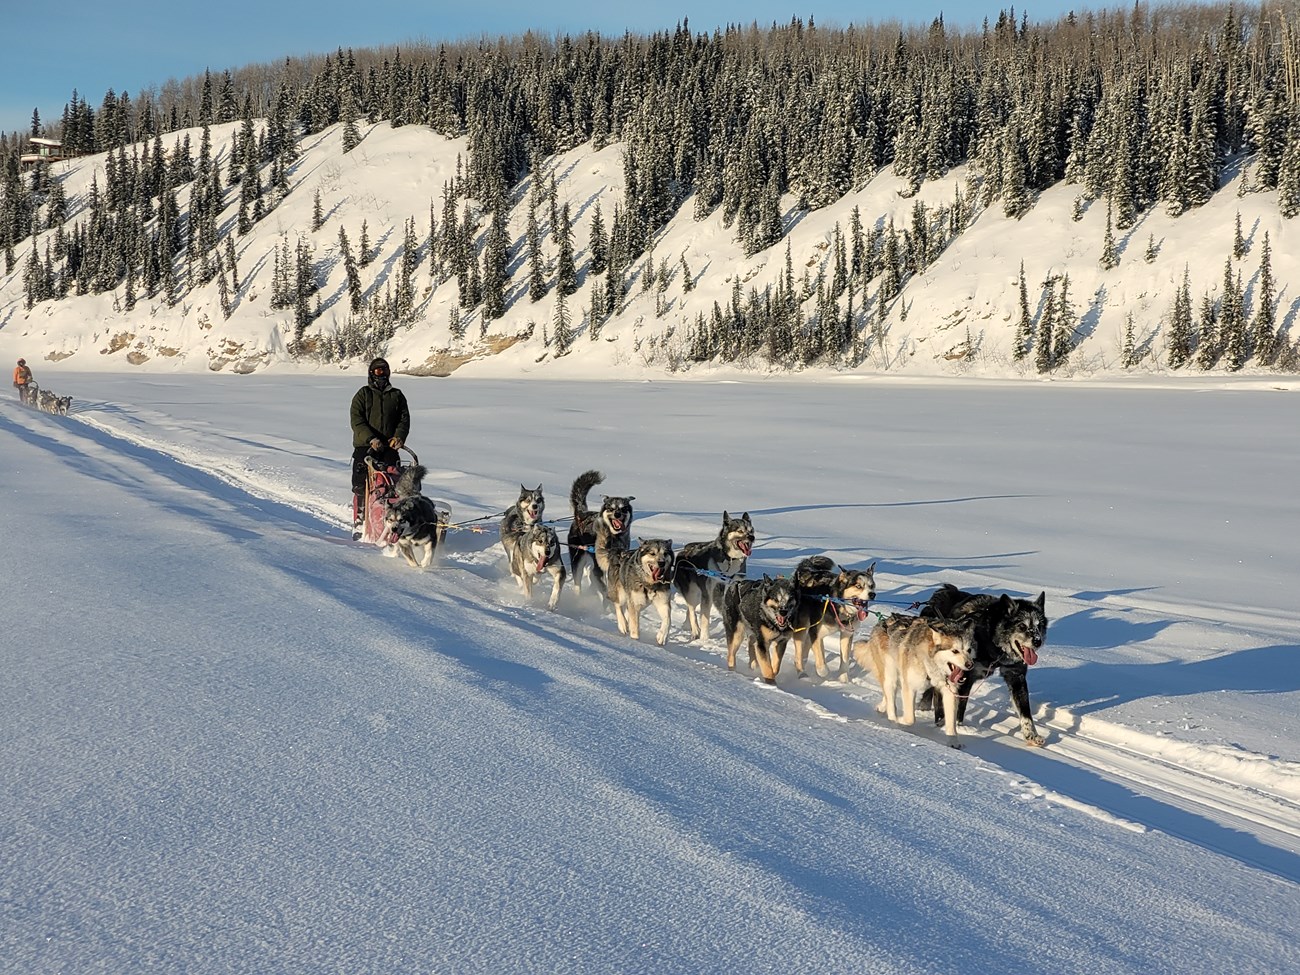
column 412, row 521
column 764, row 609
column 640, row 577
column 595, row 534
column 832, row 599
column 908, row 654
column 726, row 555
column 1009, row 633
column 537, row 552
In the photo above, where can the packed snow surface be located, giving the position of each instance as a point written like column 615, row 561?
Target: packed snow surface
column 237, row 741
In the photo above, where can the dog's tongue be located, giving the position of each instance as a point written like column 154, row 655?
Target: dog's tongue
column 1029, row 653
column 780, row 620
column 955, row 674
column 745, row 548
column 541, row 564
column 655, row 572
column 618, row 524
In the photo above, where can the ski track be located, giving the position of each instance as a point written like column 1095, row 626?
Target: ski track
column 1091, row 766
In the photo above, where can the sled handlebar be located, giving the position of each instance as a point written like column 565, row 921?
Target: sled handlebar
column 371, row 462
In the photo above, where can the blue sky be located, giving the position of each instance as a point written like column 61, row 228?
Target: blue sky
column 131, row 45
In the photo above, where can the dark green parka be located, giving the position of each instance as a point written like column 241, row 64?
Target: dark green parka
column 379, row 413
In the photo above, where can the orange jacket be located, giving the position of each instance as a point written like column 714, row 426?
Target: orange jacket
column 22, row 375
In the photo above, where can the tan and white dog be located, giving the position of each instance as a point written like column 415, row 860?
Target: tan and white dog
column 908, row 654
column 638, row 578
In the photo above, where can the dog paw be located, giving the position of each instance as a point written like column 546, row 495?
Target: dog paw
column 953, row 742
column 1038, row 741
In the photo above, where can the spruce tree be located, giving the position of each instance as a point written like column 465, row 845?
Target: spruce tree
column 231, row 262
column 317, row 212
column 563, row 328
column 1046, row 329
column 1109, row 255
column 1288, row 176
column 363, row 246
column 223, row 292
column 1180, row 324
column 1128, row 356
column 1232, row 318
column 1207, row 339
column 1025, row 327
column 356, row 299
column 1066, row 320
column 596, row 311
column 495, row 257
column 536, row 263
column 348, row 116
column 1265, row 335
column 566, row 273
column 598, row 244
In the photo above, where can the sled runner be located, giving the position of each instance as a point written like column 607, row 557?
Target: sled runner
column 383, row 484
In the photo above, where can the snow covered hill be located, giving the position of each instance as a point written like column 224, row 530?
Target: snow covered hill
column 959, row 316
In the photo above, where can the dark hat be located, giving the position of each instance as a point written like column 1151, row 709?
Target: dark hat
column 379, row 364
column 22, row 362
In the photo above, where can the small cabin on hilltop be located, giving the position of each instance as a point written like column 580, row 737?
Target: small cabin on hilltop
column 42, row 151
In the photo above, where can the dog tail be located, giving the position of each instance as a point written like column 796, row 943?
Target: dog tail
column 408, row 485
column 582, row 486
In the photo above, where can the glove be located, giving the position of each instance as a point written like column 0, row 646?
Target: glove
column 375, row 443
column 395, row 443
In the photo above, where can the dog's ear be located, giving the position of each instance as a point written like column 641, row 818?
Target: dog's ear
column 1041, row 602
column 745, row 518
column 725, row 517
column 870, row 570
column 539, row 489
column 1006, row 603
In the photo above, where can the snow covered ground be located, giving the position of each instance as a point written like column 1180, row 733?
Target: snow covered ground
column 236, row 741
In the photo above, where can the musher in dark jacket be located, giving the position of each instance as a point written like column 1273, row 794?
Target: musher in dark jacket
column 380, row 423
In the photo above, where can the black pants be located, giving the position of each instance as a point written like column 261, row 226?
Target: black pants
column 384, row 456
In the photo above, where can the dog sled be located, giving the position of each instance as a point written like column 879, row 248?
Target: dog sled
column 384, row 491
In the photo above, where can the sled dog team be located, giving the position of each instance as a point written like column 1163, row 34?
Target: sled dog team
column 958, row 639
column 45, row 401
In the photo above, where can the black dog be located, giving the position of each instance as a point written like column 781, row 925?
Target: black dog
column 1008, row 635
column 594, row 534
column 763, row 608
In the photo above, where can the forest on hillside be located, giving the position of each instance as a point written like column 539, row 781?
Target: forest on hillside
column 1139, row 108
